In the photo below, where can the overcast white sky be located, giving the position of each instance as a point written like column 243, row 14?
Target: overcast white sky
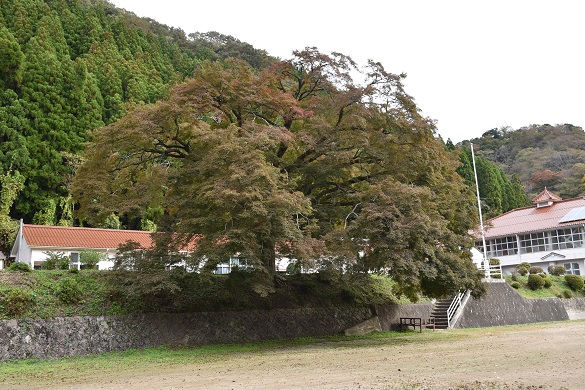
column 472, row 65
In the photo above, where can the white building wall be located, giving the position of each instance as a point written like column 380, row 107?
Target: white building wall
column 38, row 255
column 575, row 255
column 24, row 253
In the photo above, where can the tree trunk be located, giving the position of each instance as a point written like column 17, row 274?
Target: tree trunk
column 268, row 255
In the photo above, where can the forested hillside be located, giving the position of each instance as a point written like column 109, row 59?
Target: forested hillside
column 498, row 192
column 67, row 67
column 539, row 155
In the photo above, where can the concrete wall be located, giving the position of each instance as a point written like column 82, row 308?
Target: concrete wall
column 389, row 315
column 575, row 308
column 504, row 306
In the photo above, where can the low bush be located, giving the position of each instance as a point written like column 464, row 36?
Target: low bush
column 575, row 282
column 535, row 270
column 68, row 291
column 535, row 282
column 515, row 285
column 568, row 294
column 556, row 270
column 523, row 268
column 514, row 277
column 20, row 267
column 547, row 283
column 17, row 301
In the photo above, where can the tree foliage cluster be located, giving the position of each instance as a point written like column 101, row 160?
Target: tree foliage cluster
column 540, row 156
column 67, row 67
column 497, row 191
column 297, row 159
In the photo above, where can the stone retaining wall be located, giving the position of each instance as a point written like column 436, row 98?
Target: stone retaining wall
column 74, row 336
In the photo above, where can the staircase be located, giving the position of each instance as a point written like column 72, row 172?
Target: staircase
column 440, row 313
column 447, row 311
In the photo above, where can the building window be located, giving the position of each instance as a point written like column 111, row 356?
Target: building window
column 238, row 262
column 533, row 242
column 74, row 262
column 504, row 246
column 223, row 269
column 572, row 268
column 567, row 238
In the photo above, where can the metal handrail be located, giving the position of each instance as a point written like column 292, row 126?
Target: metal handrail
column 455, row 305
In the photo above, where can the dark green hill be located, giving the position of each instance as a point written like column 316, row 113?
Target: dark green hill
column 69, row 66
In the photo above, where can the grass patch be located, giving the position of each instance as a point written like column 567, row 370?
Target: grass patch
column 556, row 290
column 47, row 299
column 62, row 293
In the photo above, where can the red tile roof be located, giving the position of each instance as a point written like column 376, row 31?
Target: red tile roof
column 530, row 219
column 78, row 237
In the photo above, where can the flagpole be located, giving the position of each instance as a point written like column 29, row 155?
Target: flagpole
column 486, row 264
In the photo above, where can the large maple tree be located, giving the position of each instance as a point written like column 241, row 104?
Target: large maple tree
column 298, row 160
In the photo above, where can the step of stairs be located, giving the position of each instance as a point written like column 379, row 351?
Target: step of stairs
column 440, row 313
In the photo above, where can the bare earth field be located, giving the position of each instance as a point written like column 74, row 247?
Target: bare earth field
column 545, row 356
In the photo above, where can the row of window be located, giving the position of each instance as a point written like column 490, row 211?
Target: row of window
column 567, row 238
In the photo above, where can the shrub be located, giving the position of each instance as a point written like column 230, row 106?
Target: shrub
column 547, row 283
column 556, row 270
column 535, row 270
column 567, row 294
column 514, row 277
column 515, row 285
column 89, row 259
column 20, row 267
column 55, row 260
column 575, row 282
column 68, row 291
column 497, row 276
column 17, row 301
column 523, row 268
column 535, row 282
column 494, row 261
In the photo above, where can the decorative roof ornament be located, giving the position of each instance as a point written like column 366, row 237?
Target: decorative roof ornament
column 545, row 198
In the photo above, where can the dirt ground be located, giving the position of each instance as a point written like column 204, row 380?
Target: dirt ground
column 548, row 356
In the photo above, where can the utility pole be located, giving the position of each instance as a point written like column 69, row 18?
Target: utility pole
column 486, row 264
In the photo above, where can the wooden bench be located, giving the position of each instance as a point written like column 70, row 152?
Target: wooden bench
column 415, row 322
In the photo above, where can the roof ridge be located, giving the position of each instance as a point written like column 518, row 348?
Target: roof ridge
column 83, row 228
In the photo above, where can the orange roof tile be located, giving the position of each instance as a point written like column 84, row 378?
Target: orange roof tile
column 79, row 237
column 531, row 219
